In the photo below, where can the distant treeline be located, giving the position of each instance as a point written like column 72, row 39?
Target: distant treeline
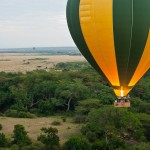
column 44, row 50
column 61, row 89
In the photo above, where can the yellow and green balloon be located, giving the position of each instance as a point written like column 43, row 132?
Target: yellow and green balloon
column 114, row 36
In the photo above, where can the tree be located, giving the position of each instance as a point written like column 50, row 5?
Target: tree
column 20, row 136
column 49, row 137
column 3, row 140
column 109, row 123
column 84, row 107
column 70, row 92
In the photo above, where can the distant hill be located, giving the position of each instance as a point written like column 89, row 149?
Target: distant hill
column 44, row 50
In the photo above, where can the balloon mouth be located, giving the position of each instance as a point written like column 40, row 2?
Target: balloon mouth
column 122, row 93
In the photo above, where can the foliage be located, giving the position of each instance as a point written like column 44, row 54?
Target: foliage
column 20, row 137
column 109, row 123
column 45, row 107
column 56, row 123
column 84, row 107
column 49, row 137
column 76, row 143
column 20, row 114
column 99, row 145
column 57, row 91
column 1, row 127
column 145, row 121
column 140, row 146
column 64, row 119
column 3, row 140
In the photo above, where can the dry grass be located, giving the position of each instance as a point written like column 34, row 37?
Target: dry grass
column 29, row 62
column 33, row 126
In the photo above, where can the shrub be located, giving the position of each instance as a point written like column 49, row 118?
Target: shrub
column 45, row 107
column 3, row 140
column 79, row 118
column 20, row 136
column 21, row 114
column 14, row 147
column 76, row 143
column 49, row 137
column 63, row 119
column 34, row 146
column 99, row 145
column 11, row 113
column 1, row 127
column 26, row 115
column 56, row 123
column 91, row 136
column 140, row 146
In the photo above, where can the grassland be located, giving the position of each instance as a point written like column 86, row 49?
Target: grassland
column 12, row 62
column 33, row 126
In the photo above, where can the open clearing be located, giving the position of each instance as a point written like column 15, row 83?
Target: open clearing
column 12, row 62
column 33, row 126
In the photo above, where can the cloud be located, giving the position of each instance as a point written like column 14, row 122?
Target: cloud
column 33, row 22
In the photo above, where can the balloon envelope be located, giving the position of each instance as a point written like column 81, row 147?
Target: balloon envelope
column 114, row 37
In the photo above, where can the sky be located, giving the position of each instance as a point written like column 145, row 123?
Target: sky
column 33, row 23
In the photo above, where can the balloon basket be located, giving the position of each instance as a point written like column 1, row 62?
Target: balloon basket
column 122, row 103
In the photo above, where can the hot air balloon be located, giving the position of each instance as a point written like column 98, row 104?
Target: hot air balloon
column 114, row 37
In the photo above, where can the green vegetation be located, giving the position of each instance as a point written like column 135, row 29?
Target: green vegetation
column 20, row 137
column 49, row 138
column 76, row 143
column 3, row 140
column 56, row 123
column 1, row 127
column 77, row 91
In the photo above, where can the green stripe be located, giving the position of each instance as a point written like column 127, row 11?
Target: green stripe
column 122, row 21
column 131, row 27
column 76, row 33
column 141, row 25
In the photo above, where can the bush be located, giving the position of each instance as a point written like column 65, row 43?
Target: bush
column 56, row 123
column 76, row 143
column 79, row 118
column 3, row 140
column 14, row 147
column 116, row 143
column 25, row 115
column 20, row 136
column 45, row 107
column 11, row 113
column 21, row 114
column 34, row 146
column 49, row 137
column 99, row 145
column 1, row 127
column 63, row 119
column 91, row 136
column 140, row 146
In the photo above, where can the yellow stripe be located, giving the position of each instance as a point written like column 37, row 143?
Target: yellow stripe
column 143, row 65
column 96, row 20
